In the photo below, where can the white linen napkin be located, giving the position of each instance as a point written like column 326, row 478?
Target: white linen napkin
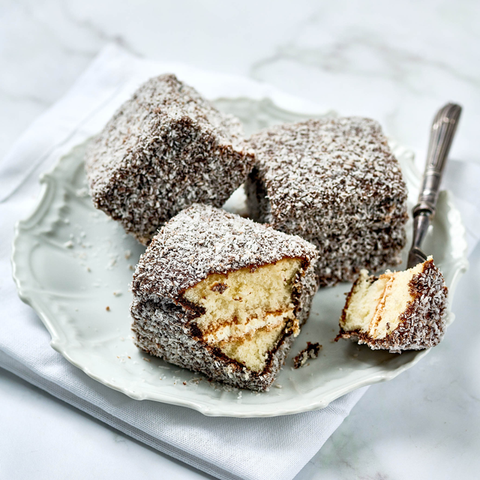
column 264, row 448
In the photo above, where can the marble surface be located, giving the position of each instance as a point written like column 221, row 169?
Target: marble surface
column 395, row 61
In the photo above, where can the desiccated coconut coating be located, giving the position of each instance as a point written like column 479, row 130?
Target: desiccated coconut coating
column 164, row 149
column 199, row 242
column 334, row 182
column 421, row 325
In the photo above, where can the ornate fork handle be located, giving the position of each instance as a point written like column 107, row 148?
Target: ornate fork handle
column 441, row 137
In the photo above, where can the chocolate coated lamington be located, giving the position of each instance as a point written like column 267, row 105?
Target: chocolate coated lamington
column 165, row 149
column 222, row 295
column 336, row 183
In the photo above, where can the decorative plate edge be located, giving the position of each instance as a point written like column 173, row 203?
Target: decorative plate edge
column 50, row 184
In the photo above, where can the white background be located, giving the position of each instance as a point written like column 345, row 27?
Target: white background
column 394, row 61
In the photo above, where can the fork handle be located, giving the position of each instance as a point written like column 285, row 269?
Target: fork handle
column 441, row 137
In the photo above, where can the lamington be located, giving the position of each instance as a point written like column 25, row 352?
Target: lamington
column 163, row 150
column 336, row 183
column 222, row 295
column 397, row 311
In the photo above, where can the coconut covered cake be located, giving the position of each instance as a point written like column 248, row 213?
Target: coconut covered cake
column 336, row 183
column 397, row 311
column 222, row 295
column 163, row 150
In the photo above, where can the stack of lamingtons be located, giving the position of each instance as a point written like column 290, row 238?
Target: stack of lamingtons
column 225, row 295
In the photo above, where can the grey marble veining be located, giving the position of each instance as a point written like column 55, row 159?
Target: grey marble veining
column 394, row 61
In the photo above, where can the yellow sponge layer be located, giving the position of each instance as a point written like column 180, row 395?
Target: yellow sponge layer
column 247, row 310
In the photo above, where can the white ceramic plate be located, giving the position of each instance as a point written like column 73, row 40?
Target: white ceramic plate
column 73, row 265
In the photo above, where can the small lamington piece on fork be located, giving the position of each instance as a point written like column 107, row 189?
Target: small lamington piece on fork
column 397, row 311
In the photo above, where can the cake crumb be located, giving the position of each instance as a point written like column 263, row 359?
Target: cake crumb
column 311, row 351
column 127, row 254
column 107, row 309
column 68, row 244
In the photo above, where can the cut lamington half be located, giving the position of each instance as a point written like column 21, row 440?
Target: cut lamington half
column 336, row 183
column 397, row 311
column 165, row 149
column 222, row 295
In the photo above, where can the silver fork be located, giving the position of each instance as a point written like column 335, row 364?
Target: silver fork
column 441, row 137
